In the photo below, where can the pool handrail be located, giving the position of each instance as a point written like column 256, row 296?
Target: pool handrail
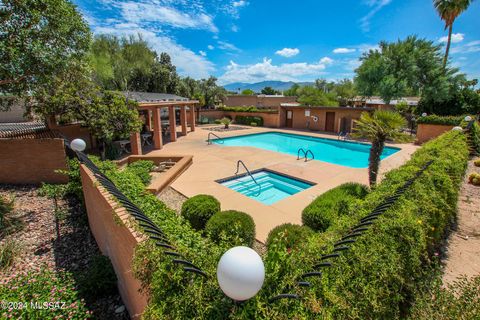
column 250, row 174
column 209, row 139
column 305, row 154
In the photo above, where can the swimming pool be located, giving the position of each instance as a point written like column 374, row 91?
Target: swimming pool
column 345, row 153
column 269, row 187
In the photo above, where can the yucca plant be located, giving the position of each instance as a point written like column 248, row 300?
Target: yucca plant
column 377, row 128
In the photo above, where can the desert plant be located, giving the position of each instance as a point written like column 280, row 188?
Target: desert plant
column 9, row 250
column 474, row 179
column 6, row 206
column 233, row 226
column 288, row 234
column 477, row 162
column 226, row 122
column 331, row 205
column 378, row 128
column 198, row 209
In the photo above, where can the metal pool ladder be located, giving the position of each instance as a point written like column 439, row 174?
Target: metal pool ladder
column 305, row 154
column 240, row 162
column 209, row 140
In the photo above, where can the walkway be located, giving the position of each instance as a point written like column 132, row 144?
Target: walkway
column 463, row 249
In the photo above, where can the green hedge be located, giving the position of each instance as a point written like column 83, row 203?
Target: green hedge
column 142, row 168
column 332, row 204
column 474, row 138
column 247, row 109
column 289, row 235
column 248, row 120
column 234, row 227
column 375, row 279
column 198, row 209
column 442, row 120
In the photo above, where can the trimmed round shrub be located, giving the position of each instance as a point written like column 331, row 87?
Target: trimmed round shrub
column 474, row 179
column 232, row 226
column 477, row 162
column 334, row 203
column 198, row 209
column 291, row 235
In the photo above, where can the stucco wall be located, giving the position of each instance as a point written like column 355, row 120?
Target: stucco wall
column 427, row 132
column 32, row 161
column 300, row 121
column 270, row 120
column 113, row 230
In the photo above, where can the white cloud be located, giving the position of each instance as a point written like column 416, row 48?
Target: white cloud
column 376, row 6
column 470, row 47
column 456, row 38
column 166, row 16
column 288, row 52
column 265, row 70
column 227, row 46
column 202, row 53
column 210, row 47
column 235, row 28
column 344, row 50
column 240, row 3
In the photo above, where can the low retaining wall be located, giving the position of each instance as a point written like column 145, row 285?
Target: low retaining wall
column 426, row 132
column 32, row 161
column 116, row 238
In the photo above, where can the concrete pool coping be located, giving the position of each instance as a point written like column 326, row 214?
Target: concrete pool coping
column 214, row 162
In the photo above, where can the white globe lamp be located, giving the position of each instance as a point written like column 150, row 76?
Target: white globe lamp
column 424, row 114
column 240, row 273
column 78, row 145
column 457, row 128
column 468, row 119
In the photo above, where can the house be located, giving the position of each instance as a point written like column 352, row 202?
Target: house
column 378, row 103
column 259, row 101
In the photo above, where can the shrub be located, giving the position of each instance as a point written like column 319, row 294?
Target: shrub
column 99, row 279
column 474, row 179
column 9, row 250
column 458, row 301
column 331, row 205
column 253, row 124
column 6, row 206
column 477, row 162
column 474, row 138
column 247, row 120
column 198, row 209
column 142, row 168
column 42, row 288
column 233, row 226
column 441, row 120
column 290, row 235
column 226, row 122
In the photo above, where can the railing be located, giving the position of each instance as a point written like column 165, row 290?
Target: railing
column 240, row 162
column 305, row 154
column 343, row 135
column 209, row 140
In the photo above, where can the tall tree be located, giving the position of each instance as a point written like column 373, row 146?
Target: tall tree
column 312, row 96
column 449, row 10
column 269, row 91
column 38, row 40
column 248, row 92
column 378, row 128
column 212, row 93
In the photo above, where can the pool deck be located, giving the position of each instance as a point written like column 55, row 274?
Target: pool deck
column 212, row 162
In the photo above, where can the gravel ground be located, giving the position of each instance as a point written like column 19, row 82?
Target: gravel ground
column 463, row 248
column 172, row 198
column 32, row 224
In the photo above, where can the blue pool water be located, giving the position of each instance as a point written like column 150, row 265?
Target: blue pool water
column 271, row 187
column 345, row 153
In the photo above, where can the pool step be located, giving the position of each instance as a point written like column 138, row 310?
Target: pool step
column 246, row 186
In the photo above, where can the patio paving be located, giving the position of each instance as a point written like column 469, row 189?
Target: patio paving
column 212, row 162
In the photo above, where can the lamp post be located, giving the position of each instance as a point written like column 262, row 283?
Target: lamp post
column 78, row 145
column 412, row 123
column 240, row 273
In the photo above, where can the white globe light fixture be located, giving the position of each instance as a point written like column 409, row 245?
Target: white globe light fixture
column 424, row 114
column 78, row 145
column 457, row 128
column 240, row 273
column 468, row 119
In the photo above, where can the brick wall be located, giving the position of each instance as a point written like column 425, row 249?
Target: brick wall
column 32, row 161
column 270, row 120
column 113, row 229
column 427, row 132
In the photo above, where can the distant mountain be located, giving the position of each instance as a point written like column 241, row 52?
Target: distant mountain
column 258, row 86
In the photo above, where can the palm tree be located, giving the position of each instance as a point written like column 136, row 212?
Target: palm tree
column 378, row 127
column 449, row 10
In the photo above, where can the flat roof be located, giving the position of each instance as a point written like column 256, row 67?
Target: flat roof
column 330, row 108
column 150, row 97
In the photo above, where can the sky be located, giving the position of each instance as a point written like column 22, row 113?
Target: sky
column 252, row 41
